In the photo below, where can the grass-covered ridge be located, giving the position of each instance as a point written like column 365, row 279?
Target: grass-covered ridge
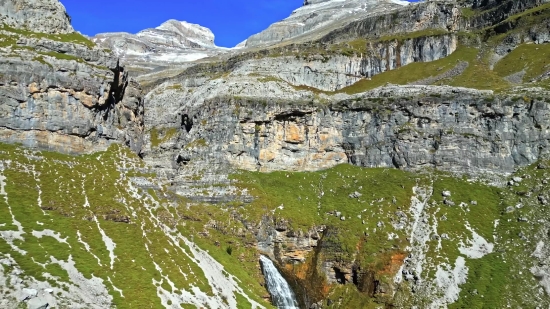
column 477, row 49
column 67, row 206
column 368, row 232
column 532, row 59
column 414, row 71
column 73, row 37
column 89, row 203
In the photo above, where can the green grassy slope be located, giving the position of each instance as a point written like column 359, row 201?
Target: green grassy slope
column 311, row 199
column 307, row 199
column 81, row 198
column 481, row 73
column 86, row 201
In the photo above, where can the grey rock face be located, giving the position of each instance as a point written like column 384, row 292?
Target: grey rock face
column 278, row 241
column 95, row 55
column 46, row 16
column 70, row 97
column 495, row 11
column 319, row 15
column 412, row 127
column 541, row 270
column 65, row 106
column 437, row 16
column 340, row 71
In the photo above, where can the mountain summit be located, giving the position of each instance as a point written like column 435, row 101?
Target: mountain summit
column 172, row 42
column 173, row 33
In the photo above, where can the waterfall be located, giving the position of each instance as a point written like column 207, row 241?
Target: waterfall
column 281, row 293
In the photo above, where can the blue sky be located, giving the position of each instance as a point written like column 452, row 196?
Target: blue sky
column 232, row 21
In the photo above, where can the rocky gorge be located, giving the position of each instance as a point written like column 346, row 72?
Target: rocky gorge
column 391, row 157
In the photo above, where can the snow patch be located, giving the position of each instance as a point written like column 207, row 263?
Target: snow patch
column 92, row 290
column 449, row 280
column 11, row 236
column 197, row 297
column 479, row 247
column 3, row 185
column 115, row 288
column 175, row 57
column 400, row 2
column 220, row 280
column 109, row 243
column 539, row 253
column 53, row 234
column 420, row 231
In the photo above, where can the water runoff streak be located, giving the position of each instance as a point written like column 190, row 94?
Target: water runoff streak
column 281, row 293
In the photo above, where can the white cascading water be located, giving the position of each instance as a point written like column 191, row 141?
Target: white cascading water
column 281, row 293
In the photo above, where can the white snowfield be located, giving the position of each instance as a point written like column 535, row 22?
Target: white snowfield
column 172, row 42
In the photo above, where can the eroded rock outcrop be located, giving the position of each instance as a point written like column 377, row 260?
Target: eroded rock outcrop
column 46, row 16
column 64, row 94
column 410, row 127
column 332, row 73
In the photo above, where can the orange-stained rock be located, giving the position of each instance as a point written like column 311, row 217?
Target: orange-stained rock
column 395, row 263
column 267, row 155
column 294, row 133
column 85, row 99
column 34, row 88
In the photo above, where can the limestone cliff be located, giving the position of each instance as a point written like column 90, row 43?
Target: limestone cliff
column 63, row 93
column 46, row 16
column 320, row 16
column 423, row 88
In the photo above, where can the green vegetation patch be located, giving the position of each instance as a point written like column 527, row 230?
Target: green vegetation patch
column 414, row 35
column 198, row 143
column 160, row 136
column 8, row 40
column 479, row 75
column 317, row 198
column 73, row 37
column 61, row 56
column 82, row 200
column 468, row 12
column 359, row 232
column 413, row 71
column 540, row 10
column 517, row 229
column 267, row 79
column 533, row 58
column 176, row 87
